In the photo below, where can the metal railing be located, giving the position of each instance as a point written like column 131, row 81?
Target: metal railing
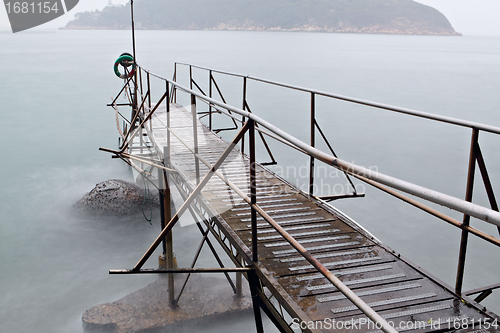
column 251, row 123
column 475, row 158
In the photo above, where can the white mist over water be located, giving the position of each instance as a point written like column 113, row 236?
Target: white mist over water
column 54, row 89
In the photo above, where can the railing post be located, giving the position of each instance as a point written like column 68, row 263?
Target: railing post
column 244, row 104
column 244, row 108
column 134, row 99
column 313, row 142
column 190, row 77
column 141, row 140
column 175, row 80
column 140, row 85
column 466, row 220
column 253, row 189
column 149, row 102
column 149, row 90
column 195, row 137
column 210, row 95
column 167, row 108
column 252, row 277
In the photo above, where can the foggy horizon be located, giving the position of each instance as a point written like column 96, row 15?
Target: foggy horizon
column 466, row 17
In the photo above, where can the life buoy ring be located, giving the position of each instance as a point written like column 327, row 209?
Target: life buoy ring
column 125, row 60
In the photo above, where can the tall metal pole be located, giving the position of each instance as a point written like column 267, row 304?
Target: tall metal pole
column 133, row 27
column 134, row 100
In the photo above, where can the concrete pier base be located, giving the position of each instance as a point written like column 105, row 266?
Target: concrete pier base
column 147, row 310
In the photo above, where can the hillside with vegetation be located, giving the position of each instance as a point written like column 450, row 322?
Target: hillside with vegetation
column 347, row 16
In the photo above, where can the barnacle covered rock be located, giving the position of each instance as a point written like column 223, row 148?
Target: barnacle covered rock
column 118, row 197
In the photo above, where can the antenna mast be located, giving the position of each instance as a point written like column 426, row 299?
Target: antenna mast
column 134, row 101
column 133, row 28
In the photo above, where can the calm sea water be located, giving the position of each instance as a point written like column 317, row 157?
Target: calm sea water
column 54, row 87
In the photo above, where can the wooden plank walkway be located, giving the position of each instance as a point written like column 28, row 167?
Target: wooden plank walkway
column 399, row 291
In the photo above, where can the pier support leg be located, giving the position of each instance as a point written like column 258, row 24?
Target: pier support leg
column 239, row 292
column 167, row 244
column 253, row 282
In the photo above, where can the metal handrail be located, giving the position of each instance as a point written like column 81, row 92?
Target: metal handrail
column 361, row 173
column 213, row 169
column 411, row 112
column 436, row 197
column 249, row 126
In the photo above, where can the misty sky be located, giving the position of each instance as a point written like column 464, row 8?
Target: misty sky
column 469, row 17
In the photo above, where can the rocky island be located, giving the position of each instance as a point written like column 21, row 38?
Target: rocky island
column 340, row 16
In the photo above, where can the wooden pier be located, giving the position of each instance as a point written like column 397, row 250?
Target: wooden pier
column 215, row 178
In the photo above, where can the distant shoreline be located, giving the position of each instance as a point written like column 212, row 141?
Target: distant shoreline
column 375, row 32
column 399, row 17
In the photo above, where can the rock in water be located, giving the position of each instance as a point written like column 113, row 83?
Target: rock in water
column 206, row 299
column 118, row 197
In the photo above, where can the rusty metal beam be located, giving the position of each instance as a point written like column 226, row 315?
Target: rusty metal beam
column 264, row 142
column 325, row 139
column 256, row 302
column 195, row 258
column 415, row 113
column 167, row 243
column 190, row 199
column 313, row 143
column 463, row 206
column 253, row 190
column 132, row 128
column 466, row 220
column 482, row 289
column 132, row 157
column 123, row 88
column 195, row 138
column 486, row 180
column 319, row 266
column 210, row 95
column 182, row 270
column 433, row 212
column 355, row 299
column 328, row 198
